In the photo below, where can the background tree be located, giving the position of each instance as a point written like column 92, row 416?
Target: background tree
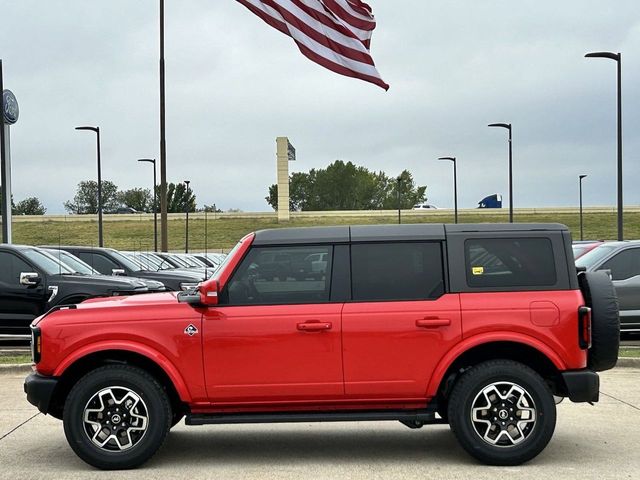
column 30, row 206
column 137, row 198
column 85, row 200
column 210, row 209
column 345, row 186
column 13, row 205
column 177, row 198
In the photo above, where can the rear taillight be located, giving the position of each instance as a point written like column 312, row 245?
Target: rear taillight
column 584, row 327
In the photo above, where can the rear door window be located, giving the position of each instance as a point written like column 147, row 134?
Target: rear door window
column 397, row 271
column 509, row 262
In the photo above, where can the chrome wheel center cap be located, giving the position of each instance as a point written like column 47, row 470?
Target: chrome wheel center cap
column 503, row 414
column 116, row 419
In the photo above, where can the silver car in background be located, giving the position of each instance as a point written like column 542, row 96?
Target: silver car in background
column 622, row 260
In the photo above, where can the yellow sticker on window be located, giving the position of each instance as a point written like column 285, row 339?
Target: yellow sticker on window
column 477, row 270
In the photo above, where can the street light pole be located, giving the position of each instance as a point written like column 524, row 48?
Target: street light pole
column 97, row 132
column 164, row 234
column 399, row 179
column 508, row 127
column 617, row 57
column 581, row 230
column 186, row 235
column 155, row 208
column 455, row 186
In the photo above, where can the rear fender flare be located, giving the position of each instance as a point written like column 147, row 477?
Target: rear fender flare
column 477, row 340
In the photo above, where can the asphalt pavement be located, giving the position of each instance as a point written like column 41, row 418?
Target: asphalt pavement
column 590, row 442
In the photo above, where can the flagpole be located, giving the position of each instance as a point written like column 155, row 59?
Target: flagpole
column 163, row 144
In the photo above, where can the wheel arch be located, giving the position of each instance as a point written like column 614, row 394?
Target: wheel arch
column 526, row 350
column 87, row 359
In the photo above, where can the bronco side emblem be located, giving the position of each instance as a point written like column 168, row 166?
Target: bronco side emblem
column 191, row 330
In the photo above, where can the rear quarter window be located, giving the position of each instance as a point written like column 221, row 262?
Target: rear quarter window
column 509, row 262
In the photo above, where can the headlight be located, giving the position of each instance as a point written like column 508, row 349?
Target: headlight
column 188, row 285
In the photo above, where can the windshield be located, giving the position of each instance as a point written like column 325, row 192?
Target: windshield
column 127, row 262
column 141, row 259
column 193, row 261
column 72, row 261
column 227, row 259
column 46, row 262
column 593, row 257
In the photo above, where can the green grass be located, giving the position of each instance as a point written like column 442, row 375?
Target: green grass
column 13, row 359
column 223, row 233
column 629, row 352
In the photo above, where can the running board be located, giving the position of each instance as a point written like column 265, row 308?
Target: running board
column 408, row 417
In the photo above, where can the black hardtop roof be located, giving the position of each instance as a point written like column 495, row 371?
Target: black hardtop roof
column 372, row 233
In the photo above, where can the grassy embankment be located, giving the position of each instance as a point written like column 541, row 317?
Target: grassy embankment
column 223, row 233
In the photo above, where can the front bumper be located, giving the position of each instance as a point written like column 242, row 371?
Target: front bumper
column 582, row 385
column 39, row 390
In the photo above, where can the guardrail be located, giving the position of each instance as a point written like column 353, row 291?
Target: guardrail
column 341, row 213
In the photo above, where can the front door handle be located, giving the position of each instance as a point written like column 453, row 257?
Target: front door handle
column 433, row 322
column 314, row 326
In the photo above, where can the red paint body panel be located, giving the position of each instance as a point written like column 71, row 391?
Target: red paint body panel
column 510, row 312
column 259, row 353
column 151, row 325
column 387, row 353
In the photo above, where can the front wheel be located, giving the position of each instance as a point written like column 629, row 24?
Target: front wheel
column 502, row 412
column 116, row 417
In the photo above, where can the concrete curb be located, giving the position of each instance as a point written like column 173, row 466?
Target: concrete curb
column 15, row 368
column 628, row 362
column 623, row 362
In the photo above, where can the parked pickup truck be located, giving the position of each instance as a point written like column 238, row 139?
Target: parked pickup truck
column 477, row 326
column 32, row 281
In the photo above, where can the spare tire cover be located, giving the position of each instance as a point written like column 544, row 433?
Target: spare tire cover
column 600, row 295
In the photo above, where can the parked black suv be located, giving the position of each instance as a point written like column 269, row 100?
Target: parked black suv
column 111, row 262
column 32, row 282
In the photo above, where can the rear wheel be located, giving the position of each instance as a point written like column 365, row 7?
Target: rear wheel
column 502, row 412
column 116, row 417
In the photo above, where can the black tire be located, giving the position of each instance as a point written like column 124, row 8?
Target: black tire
column 176, row 418
column 147, row 400
column 600, row 295
column 534, row 435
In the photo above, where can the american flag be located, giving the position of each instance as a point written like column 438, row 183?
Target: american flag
column 333, row 33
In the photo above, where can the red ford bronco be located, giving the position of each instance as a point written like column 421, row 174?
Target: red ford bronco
column 477, row 326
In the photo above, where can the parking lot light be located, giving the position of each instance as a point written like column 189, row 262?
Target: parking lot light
column 97, row 132
column 617, row 57
column 508, row 127
column 580, row 177
column 186, row 234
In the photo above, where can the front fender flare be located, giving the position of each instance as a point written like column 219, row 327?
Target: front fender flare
column 480, row 339
column 151, row 354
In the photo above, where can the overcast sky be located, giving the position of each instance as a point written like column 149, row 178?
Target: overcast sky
column 234, row 84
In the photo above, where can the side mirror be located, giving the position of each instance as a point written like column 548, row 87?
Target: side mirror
column 118, row 271
column 608, row 272
column 205, row 295
column 209, row 293
column 29, row 279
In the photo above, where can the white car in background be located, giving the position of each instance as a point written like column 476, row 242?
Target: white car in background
column 424, row 206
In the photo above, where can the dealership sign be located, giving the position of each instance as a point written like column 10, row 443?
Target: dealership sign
column 11, row 112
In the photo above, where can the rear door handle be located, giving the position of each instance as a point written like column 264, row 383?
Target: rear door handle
column 314, row 326
column 433, row 322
